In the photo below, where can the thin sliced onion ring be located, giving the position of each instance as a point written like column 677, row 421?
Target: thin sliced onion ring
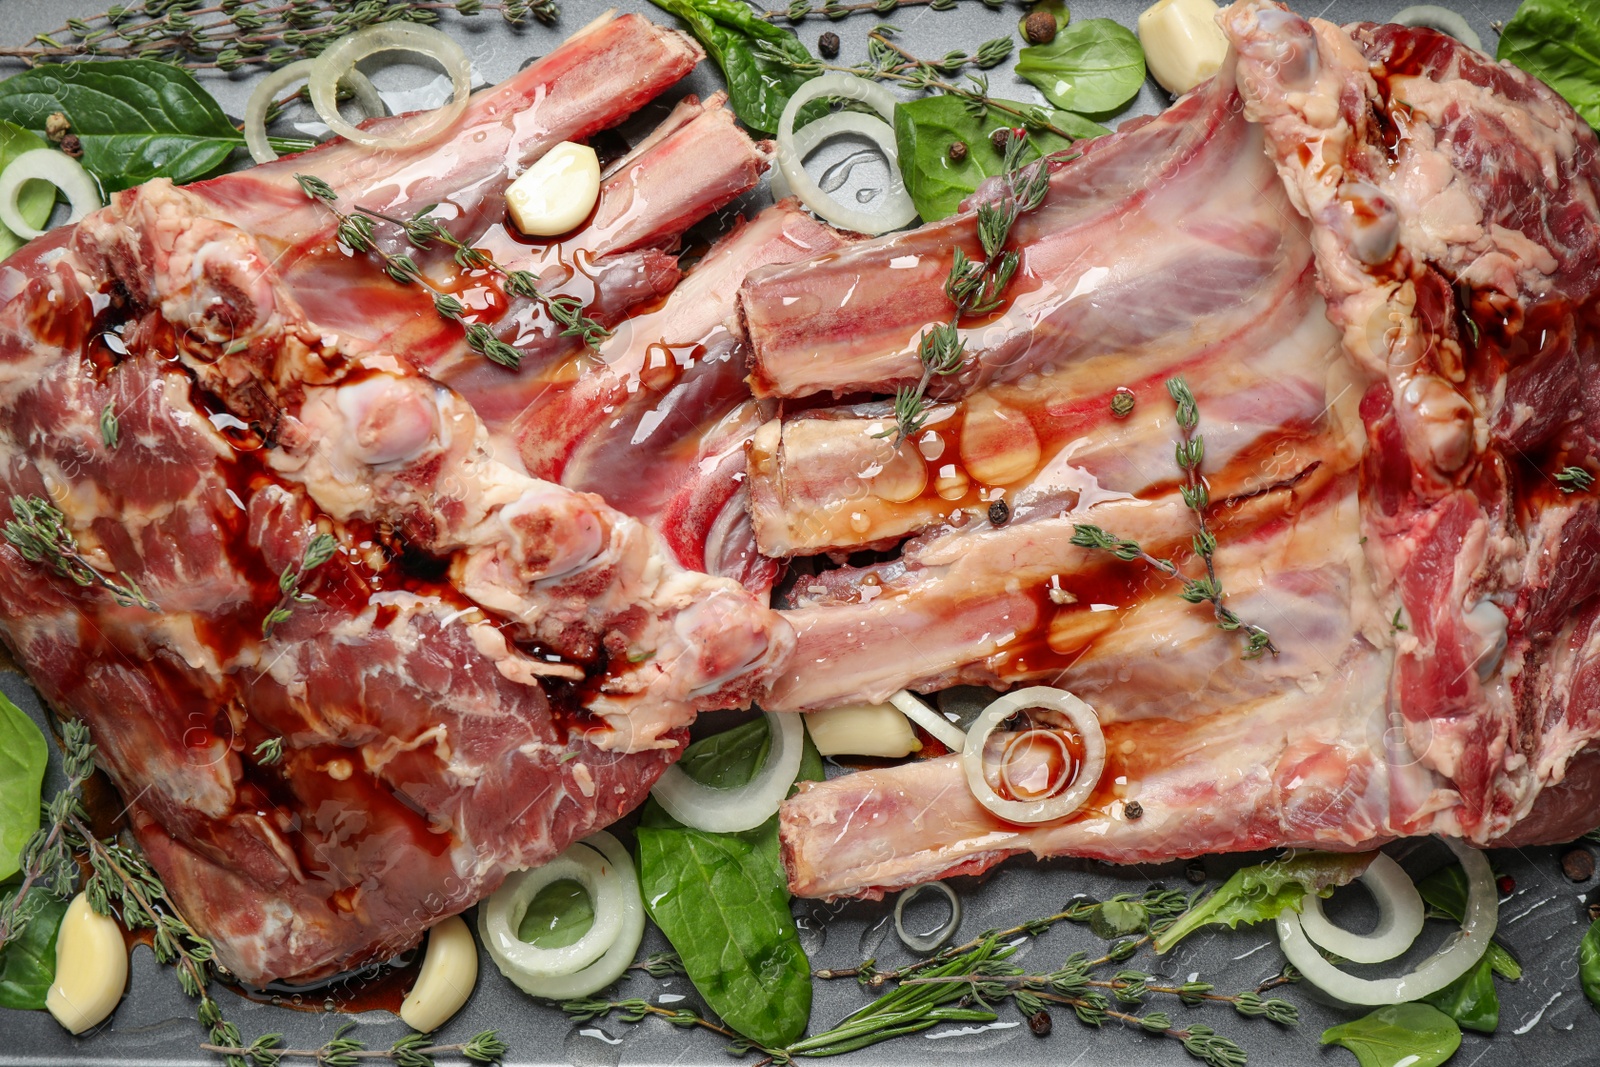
column 255, row 112
column 927, row 942
column 609, row 967
column 45, row 165
column 728, row 811
column 948, row 733
column 1029, row 737
column 501, row 915
column 331, row 66
column 1453, row 960
column 1400, row 917
column 1433, row 17
column 897, row 208
column 1047, row 809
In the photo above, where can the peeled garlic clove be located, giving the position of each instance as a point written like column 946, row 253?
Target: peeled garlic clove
column 1183, row 45
column 91, row 968
column 557, row 193
column 449, row 971
column 861, row 730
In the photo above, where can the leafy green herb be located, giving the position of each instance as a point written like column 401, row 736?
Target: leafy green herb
column 1574, row 480
column 110, row 428
column 1126, row 913
column 558, row 915
column 1471, row 1000
column 269, row 752
column 1589, row 963
column 34, row 199
column 1558, row 42
column 925, row 129
column 1399, row 1035
column 38, row 531
column 47, row 859
column 1092, row 67
column 28, row 960
column 413, row 1050
column 1262, row 892
column 759, row 82
column 23, row 756
column 319, row 550
column 137, row 119
column 723, row 899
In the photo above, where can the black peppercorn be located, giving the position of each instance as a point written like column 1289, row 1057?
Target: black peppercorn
column 999, row 513
column 1578, row 865
column 828, row 45
column 72, row 146
column 1040, row 1023
column 1039, row 27
column 1001, row 138
column 958, row 151
column 1195, row 873
column 1133, row 809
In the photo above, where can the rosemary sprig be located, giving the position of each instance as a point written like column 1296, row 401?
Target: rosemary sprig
column 1574, row 480
column 887, row 61
column 269, row 752
column 38, row 531
column 660, row 965
column 47, row 856
column 319, row 551
column 1189, row 452
column 833, row 10
column 585, row 1009
column 413, row 1050
column 355, row 231
column 423, row 229
column 231, row 34
column 973, row 286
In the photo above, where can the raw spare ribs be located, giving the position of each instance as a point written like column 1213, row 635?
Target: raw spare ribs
column 1371, row 252
column 1375, row 255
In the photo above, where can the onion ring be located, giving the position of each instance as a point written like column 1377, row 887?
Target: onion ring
column 255, row 112
column 501, row 915
column 1452, row 961
column 898, row 210
column 45, row 165
column 329, row 68
column 946, row 732
column 947, row 929
column 728, row 811
column 1400, row 917
column 1050, row 808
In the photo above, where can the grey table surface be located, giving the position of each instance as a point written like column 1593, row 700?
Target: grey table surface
column 1544, row 1017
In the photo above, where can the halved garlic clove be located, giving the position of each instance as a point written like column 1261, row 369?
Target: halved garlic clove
column 449, row 972
column 1183, row 45
column 861, row 730
column 557, row 193
column 91, row 968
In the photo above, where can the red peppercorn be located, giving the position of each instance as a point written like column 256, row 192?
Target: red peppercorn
column 1505, row 884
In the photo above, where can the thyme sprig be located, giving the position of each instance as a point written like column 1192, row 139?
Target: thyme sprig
column 319, row 551
column 1189, row 451
column 833, row 10
column 233, row 34
column 47, row 860
column 38, row 531
column 413, row 1050
column 973, row 286
column 355, row 231
column 887, row 61
column 1574, row 480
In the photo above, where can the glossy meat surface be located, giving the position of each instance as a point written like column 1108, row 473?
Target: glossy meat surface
column 491, row 665
column 1385, row 403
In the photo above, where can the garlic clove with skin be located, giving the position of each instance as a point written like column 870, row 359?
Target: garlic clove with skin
column 91, row 968
column 449, row 973
column 557, row 193
column 1183, row 45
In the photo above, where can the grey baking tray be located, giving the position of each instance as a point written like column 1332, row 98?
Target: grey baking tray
column 1544, row 1018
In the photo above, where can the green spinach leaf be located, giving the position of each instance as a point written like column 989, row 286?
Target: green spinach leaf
column 925, row 129
column 557, row 916
column 23, row 755
column 1445, row 891
column 28, row 961
column 757, row 87
column 136, row 118
column 1471, row 1000
column 723, row 899
column 35, row 199
column 1262, row 892
column 1589, row 963
column 1092, row 67
column 1413, row 1035
column 1558, row 42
